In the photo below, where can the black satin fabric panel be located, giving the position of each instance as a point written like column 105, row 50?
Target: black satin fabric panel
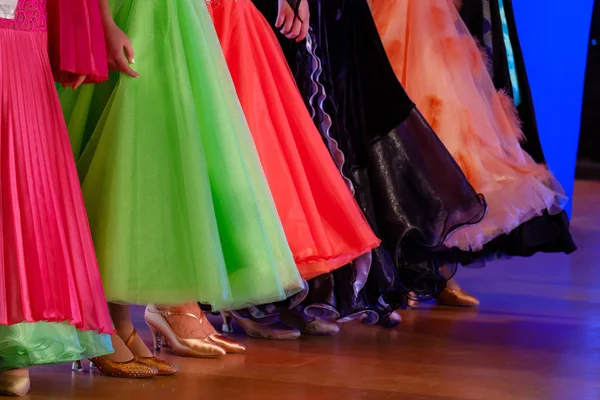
column 409, row 187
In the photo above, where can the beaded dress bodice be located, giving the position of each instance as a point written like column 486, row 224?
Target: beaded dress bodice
column 30, row 15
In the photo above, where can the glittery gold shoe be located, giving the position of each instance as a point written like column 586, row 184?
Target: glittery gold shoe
column 163, row 367
column 14, row 385
column 456, row 298
column 128, row 369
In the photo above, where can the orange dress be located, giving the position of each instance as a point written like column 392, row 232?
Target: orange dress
column 323, row 224
column 440, row 66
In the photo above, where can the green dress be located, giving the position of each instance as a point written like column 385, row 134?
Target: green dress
column 178, row 204
column 41, row 343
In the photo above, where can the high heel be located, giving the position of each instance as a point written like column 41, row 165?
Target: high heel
column 163, row 367
column 229, row 345
column 77, row 366
column 14, row 385
column 158, row 339
column 270, row 327
column 119, row 369
column 164, row 335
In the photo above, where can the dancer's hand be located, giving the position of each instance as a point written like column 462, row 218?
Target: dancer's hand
column 119, row 50
column 291, row 25
column 71, row 80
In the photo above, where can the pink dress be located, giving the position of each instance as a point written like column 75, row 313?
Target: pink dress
column 440, row 66
column 48, row 269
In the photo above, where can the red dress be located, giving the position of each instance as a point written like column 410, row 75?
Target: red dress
column 323, row 224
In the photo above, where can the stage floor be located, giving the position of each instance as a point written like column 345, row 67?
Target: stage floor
column 535, row 336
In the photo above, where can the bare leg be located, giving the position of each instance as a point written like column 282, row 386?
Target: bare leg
column 121, row 317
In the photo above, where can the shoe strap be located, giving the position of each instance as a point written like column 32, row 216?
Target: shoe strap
column 131, row 338
column 169, row 313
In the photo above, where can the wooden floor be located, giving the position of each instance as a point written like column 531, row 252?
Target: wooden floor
column 535, row 336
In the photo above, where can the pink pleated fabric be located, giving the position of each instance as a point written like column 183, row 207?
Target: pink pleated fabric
column 76, row 40
column 48, row 269
column 439, row 64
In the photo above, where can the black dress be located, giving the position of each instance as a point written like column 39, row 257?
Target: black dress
column 409, row 187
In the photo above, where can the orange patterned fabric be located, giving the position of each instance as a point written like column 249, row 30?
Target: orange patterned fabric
column 443, row 71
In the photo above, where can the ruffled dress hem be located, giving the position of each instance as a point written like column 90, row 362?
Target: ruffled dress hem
column 42, row 343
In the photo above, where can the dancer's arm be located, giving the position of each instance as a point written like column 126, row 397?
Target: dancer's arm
column 76, row 42
column 118, row 46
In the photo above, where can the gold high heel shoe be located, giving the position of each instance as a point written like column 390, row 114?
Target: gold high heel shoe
column 230, row 345
column 14, row 385
column 119, row 369
column 456, row 298
column 165, row 335
column 163, row 367
column 132, row 369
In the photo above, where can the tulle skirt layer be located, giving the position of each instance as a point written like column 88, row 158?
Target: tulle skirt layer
column 443, row 70
column 323, row 225
column 48, row 270
column 494, row 29
column 178, row 203
column 41, row 343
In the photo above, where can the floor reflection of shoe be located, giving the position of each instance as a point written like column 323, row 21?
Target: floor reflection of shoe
column 268, row 327
column 456, row 298
column 308, row 325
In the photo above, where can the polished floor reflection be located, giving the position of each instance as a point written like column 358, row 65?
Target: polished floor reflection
column 535, row 336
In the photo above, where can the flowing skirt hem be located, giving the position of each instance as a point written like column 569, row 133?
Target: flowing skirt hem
column 42, row 343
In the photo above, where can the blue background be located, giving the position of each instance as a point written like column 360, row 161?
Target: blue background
column 554, row 37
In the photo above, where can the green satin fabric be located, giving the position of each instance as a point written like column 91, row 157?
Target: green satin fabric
column 40, row 343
